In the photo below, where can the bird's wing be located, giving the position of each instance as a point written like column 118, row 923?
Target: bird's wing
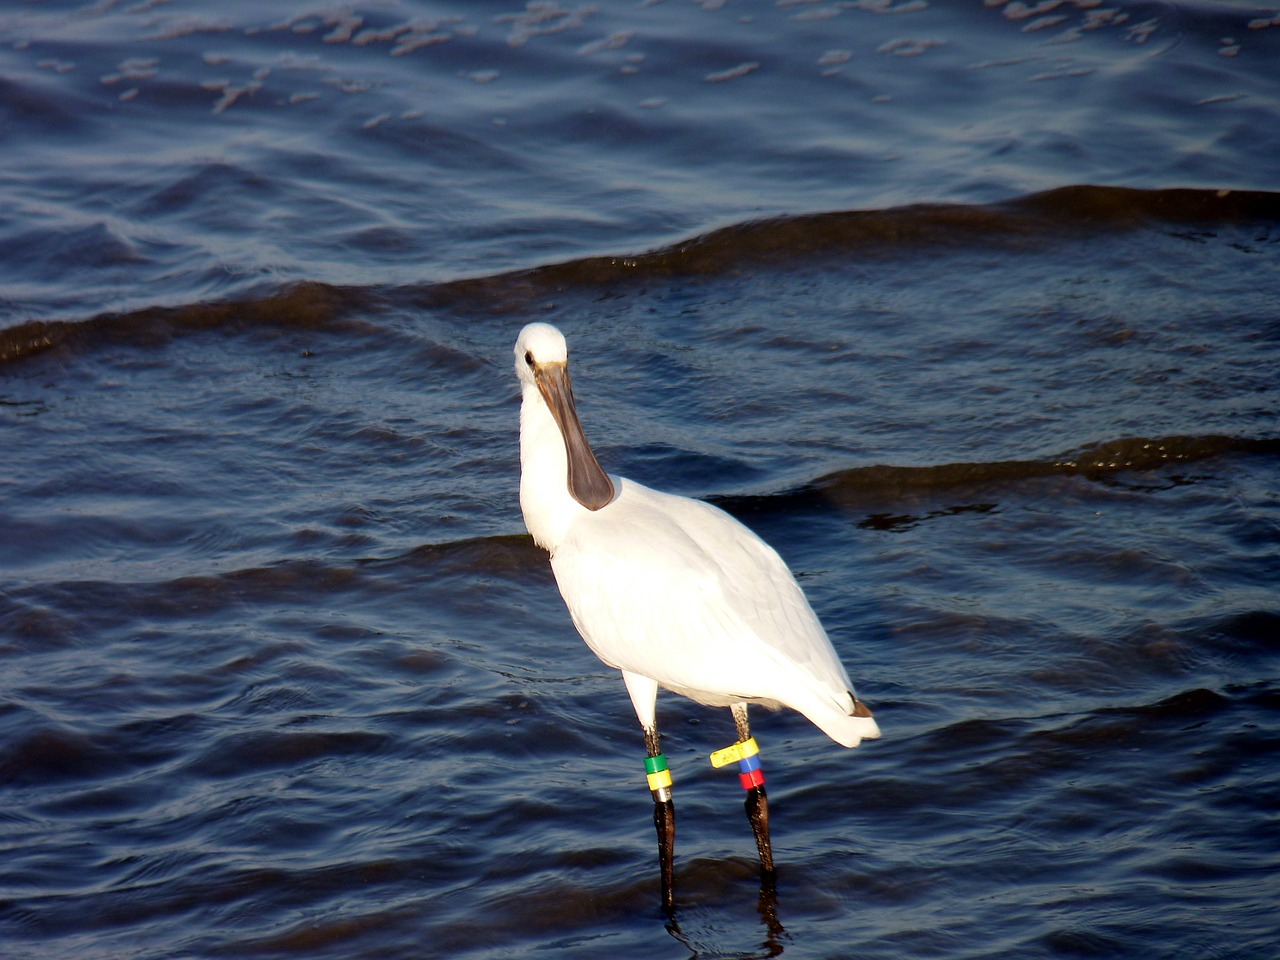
column 677, row 590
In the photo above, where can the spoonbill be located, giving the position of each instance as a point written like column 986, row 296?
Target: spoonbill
column 673, row 592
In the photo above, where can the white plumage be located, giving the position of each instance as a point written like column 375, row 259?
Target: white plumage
column 672, row 591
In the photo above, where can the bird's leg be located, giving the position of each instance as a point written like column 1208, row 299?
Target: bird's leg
column 757, row 807
column 752, row 777
column 664, row 813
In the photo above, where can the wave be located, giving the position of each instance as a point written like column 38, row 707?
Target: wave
column 856, row 487
column 307, row 305
column 1065, row 212
column 862, row 490
column 1130, row 453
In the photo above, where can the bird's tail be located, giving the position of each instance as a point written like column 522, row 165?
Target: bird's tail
column 846, row 727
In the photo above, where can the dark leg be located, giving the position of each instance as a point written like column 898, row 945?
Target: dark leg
column 757, row 806
column 757, row 803
column 664, row 815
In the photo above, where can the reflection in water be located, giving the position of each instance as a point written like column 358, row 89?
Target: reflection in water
column 766, row 909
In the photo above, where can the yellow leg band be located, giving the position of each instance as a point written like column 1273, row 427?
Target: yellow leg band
column 739, row 751
column 659, row 780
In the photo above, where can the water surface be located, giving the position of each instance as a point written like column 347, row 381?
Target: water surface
column 968, row 309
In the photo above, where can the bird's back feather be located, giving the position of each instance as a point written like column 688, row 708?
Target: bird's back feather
column 677, row 590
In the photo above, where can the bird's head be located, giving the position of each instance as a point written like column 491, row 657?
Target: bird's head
column 540, row 345
column 542, row 361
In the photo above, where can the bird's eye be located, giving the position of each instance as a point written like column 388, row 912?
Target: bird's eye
column 528, row 357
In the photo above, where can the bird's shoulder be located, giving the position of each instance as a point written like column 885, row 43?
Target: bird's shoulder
column 653, row 564
column 665, row 546
column 647, row 525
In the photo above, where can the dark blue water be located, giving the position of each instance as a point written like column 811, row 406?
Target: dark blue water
column 972, row 310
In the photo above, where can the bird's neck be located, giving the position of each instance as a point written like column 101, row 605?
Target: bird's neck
column 548, row 508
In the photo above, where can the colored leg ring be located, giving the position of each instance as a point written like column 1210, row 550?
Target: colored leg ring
column 658, row 775
column 747, row 753
column 659, row 780
column 749, row 772
column 737, row 751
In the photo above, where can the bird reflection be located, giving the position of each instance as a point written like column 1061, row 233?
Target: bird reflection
column 766, row 909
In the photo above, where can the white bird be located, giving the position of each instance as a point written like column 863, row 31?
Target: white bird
column 673, row 592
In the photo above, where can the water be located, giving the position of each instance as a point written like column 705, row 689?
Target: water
column 969, row 309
